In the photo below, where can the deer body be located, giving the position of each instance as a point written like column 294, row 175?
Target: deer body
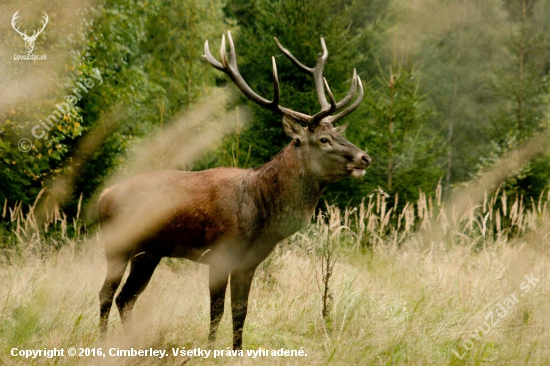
column 228, row 218
column 210, row 205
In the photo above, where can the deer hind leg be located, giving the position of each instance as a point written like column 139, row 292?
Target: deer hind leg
column 241, row 280
column 217, row 283
column 115, row 271
column 142, row 267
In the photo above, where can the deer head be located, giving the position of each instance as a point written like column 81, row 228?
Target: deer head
column 322, row 149
column 29, row 40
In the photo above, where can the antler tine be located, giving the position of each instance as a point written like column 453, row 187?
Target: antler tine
column 276, row 91
column 318, row 76
column 351, row 107
column 44, row 23
column 351, row 92
column 223, row 55
column 232, row 70
column 316, row 72
column 325, row 112
column 13, row 19
column 210, row 59
column 232, row 53
column 333, row 103
column 300, row 65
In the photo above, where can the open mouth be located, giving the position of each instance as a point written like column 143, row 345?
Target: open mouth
column 356, row 172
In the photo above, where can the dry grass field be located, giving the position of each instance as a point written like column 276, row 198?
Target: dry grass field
column 461, row 281
column 419, row 286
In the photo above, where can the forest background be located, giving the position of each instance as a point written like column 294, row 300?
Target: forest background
column 403, row 266
column 451, row 86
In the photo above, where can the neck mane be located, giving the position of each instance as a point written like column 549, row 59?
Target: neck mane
column 284, row 186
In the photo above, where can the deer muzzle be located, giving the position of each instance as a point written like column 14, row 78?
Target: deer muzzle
column 362, row 162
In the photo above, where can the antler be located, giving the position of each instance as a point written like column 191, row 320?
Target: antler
column 35, row 34
column 318, row 79
column 13, row 19
column 231, row 69
column 317, row 74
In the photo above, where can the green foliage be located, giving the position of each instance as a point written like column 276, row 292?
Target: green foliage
column 484, row 67
column 152, row 66
column 107, row 38
column 118, row 32
column 458, row 70
column 457, row 46
column 407, row 147
column 522, row 82
column 162, row 72
column 480, row 85
column 173, row 50
column 298, row 24
column 523, row 87
column 404, row 148
column 23, row 173
column 148, row 54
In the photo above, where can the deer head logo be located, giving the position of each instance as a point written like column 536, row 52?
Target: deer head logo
column 29, row 40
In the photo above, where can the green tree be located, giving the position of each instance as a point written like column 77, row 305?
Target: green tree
column 152, row 66
column 113, row 46
column 175, row 38
column 456, row 46
column 33, row 89
column 523, row 86
column 405, row 150
column 148, row 54
column 298, row 24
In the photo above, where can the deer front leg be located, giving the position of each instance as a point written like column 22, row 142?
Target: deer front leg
column 240, row 288
column 115, row 272
column 142, row 267
column 217, row 283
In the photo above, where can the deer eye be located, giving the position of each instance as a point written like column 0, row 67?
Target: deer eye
column 323, row 140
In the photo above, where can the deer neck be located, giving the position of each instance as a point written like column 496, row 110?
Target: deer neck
column 285, row 185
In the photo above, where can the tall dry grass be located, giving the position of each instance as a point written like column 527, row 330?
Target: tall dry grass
column 408, row 286
column 378, row 284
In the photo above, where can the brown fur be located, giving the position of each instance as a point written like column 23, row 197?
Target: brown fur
column 228, row 218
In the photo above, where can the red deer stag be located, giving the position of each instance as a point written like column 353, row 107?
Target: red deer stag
column 230, row 218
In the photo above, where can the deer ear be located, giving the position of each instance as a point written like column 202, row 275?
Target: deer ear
column 340, row 129
column 293, row 128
